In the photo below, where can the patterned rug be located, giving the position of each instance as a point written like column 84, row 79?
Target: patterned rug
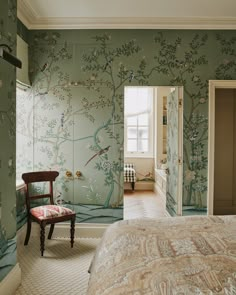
column 61, row 271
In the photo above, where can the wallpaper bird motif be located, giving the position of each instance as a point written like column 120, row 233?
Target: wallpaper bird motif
column 99, row 153
column 76, row 100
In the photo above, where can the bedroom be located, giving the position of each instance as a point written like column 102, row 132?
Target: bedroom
column 68, row 105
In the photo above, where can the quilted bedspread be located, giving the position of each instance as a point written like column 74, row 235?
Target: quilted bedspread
column 172, row 255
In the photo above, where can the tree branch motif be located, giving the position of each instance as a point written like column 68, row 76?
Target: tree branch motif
column 180, row 63
column 104, row 68
column 227, row 67
column 107, row 68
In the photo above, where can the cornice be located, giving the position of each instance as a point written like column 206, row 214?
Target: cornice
column 26, row 13
column 33, row 21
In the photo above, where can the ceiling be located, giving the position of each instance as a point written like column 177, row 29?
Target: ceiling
column 115, row 14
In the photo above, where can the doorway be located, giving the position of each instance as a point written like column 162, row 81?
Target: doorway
column 222, row 148
column 156, row 149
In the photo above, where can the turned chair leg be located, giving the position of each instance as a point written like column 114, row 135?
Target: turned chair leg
column 28, row 231
column 132, row 185
column 42, row 237
column 51, row 231
column 72, row 231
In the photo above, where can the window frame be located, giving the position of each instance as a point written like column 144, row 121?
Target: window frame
column 150, row 152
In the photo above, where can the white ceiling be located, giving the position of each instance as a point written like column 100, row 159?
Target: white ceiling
column 36, row 14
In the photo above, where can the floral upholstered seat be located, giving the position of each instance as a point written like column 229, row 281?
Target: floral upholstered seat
column 49, row 211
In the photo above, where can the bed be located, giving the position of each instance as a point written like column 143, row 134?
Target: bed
column 169, row 255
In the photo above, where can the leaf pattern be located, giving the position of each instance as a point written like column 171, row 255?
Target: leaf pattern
column 78, row 106
column 82, row 81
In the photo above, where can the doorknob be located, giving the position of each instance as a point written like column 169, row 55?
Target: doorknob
column 68, row 174
column 78, row 173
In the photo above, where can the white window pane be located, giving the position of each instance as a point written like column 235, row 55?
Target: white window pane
column 138, row 100
column 132, row 120
column 143, row 132
column 143, row 145
column 138, row 119
column 143, row 119
column 132, row 145
column 132, row 132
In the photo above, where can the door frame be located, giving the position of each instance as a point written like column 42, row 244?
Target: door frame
column 180, row 143
column 213, row 85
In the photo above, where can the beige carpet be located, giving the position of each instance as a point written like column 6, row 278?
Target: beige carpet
column 62, row 270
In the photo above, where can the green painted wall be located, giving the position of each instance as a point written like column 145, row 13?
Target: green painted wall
column 7, row 147
column 78, row 79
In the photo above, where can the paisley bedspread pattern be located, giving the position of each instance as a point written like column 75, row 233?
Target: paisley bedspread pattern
column 180, row 255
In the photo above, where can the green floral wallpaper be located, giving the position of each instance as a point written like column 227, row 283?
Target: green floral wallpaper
column 78, row 79
column 172, row 153
column 7, row 135
column 21, row 213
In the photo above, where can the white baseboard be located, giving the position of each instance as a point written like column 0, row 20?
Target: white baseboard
column 163, row 197
column 140, row 186
column 11, row 282
column 155, row 189
column 62, row 230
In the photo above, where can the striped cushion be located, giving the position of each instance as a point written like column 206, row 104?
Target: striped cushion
column 49, row 211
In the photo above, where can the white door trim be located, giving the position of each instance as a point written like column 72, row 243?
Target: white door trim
column 213, row 84
column 180, row 150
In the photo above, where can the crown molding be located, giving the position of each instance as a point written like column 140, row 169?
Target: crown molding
column 129, row 23
column 33, row 21
column 26, row 13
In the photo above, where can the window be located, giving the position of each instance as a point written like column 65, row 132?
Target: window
column 139, row 121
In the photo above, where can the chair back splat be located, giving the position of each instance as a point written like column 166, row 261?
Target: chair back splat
column 46, row 214
column 41, row 176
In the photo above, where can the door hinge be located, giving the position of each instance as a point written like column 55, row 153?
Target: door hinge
column 180, row 102
column 180, row 161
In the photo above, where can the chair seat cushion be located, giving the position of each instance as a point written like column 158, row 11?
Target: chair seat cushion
column 129, row 175
column 129, row 171
column 49, row 211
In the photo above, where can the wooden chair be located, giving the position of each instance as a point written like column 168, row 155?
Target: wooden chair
column 46, row 214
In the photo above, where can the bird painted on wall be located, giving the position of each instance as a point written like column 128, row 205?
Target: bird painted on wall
column 131, row 76
column 109, row 62
column 99, row 153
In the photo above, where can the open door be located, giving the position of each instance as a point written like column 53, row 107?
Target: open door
column 174, row 152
